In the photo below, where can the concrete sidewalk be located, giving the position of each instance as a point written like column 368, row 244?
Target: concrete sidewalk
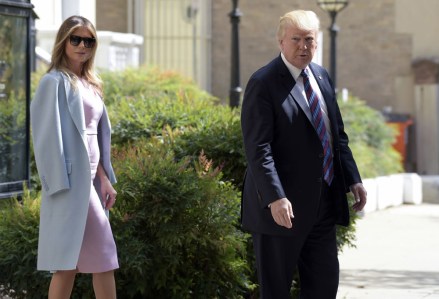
column 397, row 255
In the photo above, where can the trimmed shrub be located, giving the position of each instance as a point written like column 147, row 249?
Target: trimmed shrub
column 18, row 242
column 370, row 139
column 148, row 102
column 220, row 138
column 176, row 227
column 151, row 83
column 144, row 107
column 175, row 224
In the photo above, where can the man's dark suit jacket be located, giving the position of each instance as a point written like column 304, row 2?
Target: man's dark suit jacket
column 284, row 152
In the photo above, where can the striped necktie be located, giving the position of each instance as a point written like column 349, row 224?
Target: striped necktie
column 319, row 125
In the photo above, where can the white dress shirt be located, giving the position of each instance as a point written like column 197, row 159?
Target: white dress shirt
column 295, row 72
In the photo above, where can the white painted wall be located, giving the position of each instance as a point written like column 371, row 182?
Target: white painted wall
column 52, row 13
column 85, row 8
column 49, row 13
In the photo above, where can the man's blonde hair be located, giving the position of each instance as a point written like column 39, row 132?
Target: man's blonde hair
column 301, row 19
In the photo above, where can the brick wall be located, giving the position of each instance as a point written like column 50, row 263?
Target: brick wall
column 370, row 55
column 257, row 31
column 112, row 15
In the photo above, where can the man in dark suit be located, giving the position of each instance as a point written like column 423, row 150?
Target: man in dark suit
column 299, row 167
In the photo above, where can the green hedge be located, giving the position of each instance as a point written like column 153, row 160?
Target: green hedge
column 176, row 226
column 18, row 249
column 167, row 103
column 370, row 139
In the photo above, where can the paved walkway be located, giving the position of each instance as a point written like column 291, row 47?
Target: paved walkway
column 397, row 255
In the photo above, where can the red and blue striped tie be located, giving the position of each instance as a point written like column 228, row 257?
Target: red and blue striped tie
column 319, row 125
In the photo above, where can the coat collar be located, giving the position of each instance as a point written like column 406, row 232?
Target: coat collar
column 295, row 92
column 75, row 105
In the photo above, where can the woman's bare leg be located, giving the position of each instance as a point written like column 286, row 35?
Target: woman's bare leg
column 61, row 284
column 104, row 285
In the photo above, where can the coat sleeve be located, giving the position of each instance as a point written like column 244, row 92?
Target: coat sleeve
column 257, row 122
column 47, row 135
column 104, row 139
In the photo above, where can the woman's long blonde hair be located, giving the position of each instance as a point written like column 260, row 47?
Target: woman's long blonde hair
column 59, row 57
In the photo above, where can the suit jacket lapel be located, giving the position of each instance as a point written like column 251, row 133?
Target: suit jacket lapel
column 295, row 92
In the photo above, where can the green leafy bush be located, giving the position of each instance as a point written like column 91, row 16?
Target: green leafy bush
column 149, row 101
column 370, row 139
column 220, row 138
column 176, row 227
column 151, row 83
column 18, row 243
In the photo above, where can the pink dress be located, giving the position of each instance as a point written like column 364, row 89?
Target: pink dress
column 98, row 251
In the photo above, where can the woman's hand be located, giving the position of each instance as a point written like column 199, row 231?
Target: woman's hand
column 108, row 194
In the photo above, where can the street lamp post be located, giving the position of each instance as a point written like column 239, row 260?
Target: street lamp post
column 333, row 7
column 235, row 88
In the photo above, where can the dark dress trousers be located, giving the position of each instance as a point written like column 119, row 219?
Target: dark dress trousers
column 284, row 159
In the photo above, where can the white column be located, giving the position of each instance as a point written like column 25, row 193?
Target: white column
column 85, row 8
column 204, row 41
column 427, row 128
column 49, row 14
column 139, row 24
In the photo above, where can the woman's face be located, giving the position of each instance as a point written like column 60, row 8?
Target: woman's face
column 79, row 54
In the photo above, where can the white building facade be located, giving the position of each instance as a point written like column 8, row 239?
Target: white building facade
column 116, row 51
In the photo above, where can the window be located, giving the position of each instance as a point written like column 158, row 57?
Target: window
column 14, row 95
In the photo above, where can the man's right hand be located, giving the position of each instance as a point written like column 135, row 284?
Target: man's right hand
column 282, row 212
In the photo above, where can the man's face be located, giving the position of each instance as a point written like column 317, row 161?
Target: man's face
column 298, row 46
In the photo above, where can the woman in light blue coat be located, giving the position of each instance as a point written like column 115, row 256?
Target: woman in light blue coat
column 71, row 137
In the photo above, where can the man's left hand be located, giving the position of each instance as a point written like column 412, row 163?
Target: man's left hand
column 360, row 195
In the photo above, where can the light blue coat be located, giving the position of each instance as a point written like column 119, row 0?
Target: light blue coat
column 60, row 146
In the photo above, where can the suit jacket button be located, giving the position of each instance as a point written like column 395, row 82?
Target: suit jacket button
column 319, row 180
column 321, row 155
